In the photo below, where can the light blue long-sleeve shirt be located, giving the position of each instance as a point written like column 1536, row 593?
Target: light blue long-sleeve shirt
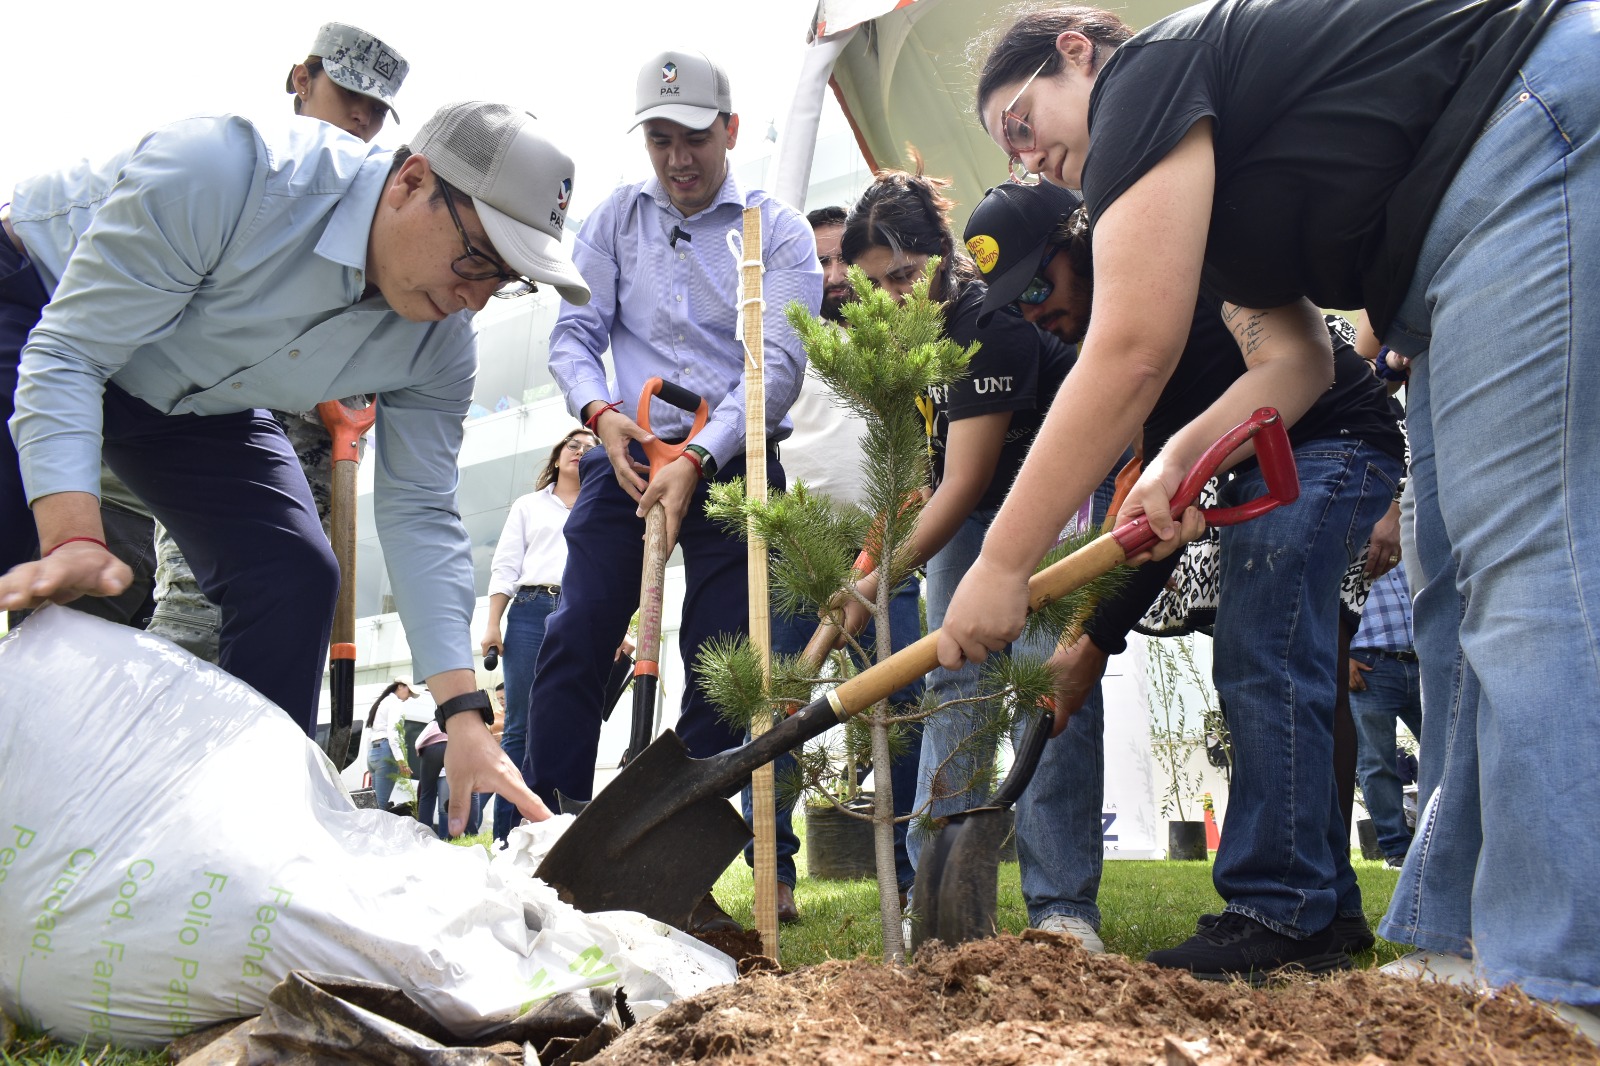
column 220, row 266
column 671, row 312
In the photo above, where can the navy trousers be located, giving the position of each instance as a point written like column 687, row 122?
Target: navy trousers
column 231, row 491
column 599, row 594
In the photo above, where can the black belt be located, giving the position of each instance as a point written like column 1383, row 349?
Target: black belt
column 1398, row 656
column 772, row 446
column 551, row 590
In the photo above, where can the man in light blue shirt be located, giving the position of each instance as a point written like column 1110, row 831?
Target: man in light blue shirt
column 150, row 307
column 665, row 302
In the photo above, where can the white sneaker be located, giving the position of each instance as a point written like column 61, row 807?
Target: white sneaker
column 1457, row 970
column 1433, row 966
column 1077, row 928
column 1585, row 1019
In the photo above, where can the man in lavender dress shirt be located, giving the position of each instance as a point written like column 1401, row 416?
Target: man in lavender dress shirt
column 664, row 283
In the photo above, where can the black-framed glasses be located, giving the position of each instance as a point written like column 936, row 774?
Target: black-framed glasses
column 1040, row 288
column 1019, row 135
column 473, row 265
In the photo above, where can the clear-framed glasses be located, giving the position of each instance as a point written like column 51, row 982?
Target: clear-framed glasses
column 473, row 265
column 1040, row 288
column 1019, row 134
column 581, row 445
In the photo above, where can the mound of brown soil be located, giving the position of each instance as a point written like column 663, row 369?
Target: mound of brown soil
column 1041, row 999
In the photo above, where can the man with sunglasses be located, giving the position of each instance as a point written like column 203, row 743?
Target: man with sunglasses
column 1285, row 838
column 151, row 307
column 666, row 305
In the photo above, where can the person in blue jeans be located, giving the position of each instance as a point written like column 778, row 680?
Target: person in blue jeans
column 1426, row 162
column 525, row 587
column 979, row 430
column 1385, row 687
column 379, row 738
column 1293, row 900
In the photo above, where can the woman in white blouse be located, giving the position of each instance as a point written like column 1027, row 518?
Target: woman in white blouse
column 526, row 577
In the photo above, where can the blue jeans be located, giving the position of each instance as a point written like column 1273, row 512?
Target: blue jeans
column 1284, row 858
column 790, row 634
column 1502, row 321
column 1393, row 693
column 523, row 636
column 381, row 764
column 1059, row 841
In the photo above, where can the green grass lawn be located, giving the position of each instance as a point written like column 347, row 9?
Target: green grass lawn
column 1146, row 905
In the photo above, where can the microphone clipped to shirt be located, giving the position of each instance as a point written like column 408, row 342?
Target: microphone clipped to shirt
column 678, row 235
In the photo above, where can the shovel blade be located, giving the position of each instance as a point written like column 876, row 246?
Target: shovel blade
column 956, row 897
column 648, row 846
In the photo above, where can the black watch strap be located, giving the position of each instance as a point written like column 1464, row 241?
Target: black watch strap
column 467, row 701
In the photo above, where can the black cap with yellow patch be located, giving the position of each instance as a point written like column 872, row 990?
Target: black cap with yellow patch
column 1007, row 236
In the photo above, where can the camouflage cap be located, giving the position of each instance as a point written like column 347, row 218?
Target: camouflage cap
column 358, row 61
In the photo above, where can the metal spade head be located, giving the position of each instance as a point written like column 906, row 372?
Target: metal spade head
column 651, row 846
column 956, row 897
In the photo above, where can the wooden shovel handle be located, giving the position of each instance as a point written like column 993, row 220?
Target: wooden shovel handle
column 1100, row 555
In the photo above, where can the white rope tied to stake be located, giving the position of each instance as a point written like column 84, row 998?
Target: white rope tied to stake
column 736, row 247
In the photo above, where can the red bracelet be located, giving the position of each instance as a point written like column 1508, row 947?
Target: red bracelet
column 699, row 471
column 69, row 540
column 595, row 418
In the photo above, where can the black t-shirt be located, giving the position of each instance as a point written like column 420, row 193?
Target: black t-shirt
column 1016, row 369
column 1338, row 125
column 1356, row 406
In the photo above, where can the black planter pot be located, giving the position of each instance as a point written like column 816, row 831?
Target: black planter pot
column 1367, row 833
column 1186, row 841
column 839, row 846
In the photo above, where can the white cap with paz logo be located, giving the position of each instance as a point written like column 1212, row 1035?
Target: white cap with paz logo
column 684, row 87
column 519, row 181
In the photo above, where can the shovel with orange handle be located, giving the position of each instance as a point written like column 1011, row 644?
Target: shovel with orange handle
column 346, row 424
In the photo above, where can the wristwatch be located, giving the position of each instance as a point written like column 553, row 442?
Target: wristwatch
column 708, row 464
column 467, row 701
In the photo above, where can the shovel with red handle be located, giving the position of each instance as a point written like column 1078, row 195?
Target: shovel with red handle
column 345, row 424
column 657, row 837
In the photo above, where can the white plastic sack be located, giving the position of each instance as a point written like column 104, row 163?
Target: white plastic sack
column 171, row 845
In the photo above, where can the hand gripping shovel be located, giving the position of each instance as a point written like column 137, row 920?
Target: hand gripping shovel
column 345, row 424
column 657, row 837
column 955, row 897
column 646, row 663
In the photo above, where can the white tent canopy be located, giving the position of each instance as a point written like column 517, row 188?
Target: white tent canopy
column 905, row 72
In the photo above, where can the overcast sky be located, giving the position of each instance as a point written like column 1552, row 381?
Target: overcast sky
column 89, row 78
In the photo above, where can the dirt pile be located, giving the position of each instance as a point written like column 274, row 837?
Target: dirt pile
column 1041, row 999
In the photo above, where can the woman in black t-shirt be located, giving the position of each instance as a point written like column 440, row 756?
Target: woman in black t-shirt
column 1433, row 161
column 980, row 429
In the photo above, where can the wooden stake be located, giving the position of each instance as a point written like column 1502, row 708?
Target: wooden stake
column 763, row 806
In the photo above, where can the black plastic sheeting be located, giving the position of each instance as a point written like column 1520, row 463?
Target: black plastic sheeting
column 320, row 1018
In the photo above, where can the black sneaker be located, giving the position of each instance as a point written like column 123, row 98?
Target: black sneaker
column 1350, row 930
column 1353, row 933
column 1233, row 946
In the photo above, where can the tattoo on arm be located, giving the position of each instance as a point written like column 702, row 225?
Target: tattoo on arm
column 1249, row 327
